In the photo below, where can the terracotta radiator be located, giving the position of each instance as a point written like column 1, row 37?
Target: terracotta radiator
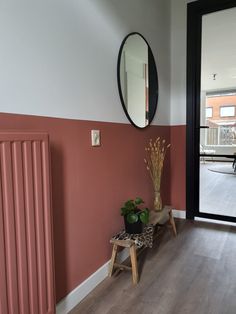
column 26, row 254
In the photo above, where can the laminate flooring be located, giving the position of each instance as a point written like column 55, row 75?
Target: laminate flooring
column 217, row 190
column 194, row 273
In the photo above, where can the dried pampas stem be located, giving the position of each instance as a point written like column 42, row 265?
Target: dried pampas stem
column 156, row 151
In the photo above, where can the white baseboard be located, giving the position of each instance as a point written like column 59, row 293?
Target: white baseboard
column 80, row 292
column 221, row 222
column 179, row 213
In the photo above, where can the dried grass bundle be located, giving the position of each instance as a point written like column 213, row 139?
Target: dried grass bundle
column 156, row 151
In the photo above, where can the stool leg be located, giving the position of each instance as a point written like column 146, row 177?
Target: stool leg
column 172, row 222
column 113, row 259
column 133, row 257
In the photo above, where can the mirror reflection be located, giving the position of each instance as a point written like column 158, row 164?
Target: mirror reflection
column 137, row 80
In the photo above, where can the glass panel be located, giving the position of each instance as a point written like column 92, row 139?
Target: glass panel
column 218, row 114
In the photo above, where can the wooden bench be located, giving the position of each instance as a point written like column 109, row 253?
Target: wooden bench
column 163, row 217
column 133, row 242
column 133, row 258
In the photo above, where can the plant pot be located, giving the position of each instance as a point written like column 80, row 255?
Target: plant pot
column 136, row 227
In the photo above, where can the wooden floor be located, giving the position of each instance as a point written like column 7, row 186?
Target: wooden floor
column 217, row 191
column 194, row 273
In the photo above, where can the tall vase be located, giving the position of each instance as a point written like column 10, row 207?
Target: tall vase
column 157, row 201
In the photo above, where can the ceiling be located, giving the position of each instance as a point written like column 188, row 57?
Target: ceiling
column 219, row 50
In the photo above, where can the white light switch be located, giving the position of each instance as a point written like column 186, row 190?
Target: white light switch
column 95, row 137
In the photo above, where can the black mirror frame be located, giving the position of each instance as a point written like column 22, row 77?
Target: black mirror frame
column 150, row 54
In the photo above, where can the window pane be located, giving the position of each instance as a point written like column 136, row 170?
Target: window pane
column 227, row 111
column 209, row 112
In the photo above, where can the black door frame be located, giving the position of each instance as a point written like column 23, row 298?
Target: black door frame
column 194, row 33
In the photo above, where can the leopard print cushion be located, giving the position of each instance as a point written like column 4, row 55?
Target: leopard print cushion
column 143, row 239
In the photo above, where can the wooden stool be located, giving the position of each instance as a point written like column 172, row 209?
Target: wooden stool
column 162, row 217
column 133, row 257
column 141, row 241
column 172, row 222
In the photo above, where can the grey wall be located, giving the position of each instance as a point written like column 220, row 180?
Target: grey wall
column 178, row 61
column 58, row 58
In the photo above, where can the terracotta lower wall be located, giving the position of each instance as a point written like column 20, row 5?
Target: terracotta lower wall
column 178, row 166
column 91, row 183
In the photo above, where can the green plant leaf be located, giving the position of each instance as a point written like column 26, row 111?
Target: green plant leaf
column 132, row 218
column 144, row 216
column 130, row 205
column 138, row 201
column 124, row 211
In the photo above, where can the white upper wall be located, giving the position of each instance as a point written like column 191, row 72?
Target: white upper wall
column 178, row 61
column 58, row 58
column 219, row 56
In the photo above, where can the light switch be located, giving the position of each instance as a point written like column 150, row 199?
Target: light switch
column 95, row 137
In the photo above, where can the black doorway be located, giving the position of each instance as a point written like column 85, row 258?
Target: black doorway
column 196, row 11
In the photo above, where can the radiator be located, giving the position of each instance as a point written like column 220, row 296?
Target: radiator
column 26, row 250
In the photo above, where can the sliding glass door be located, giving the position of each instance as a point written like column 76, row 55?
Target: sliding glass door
column 211, row 110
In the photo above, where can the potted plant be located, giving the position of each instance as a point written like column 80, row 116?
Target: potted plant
column 134, row 217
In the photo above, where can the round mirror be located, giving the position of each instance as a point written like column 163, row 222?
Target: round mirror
column 137, row 80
